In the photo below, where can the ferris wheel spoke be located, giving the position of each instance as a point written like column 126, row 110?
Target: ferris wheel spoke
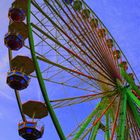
column 105, row 110
column 117, row 46
column 87, row 122
column 135, row 129
column 87, row 31
column 115, row 121
column 64, row 34
column 42, row 6
column 74, row 131
column 62, row 83
column 133, row 134
column 69, row 51
column 97, row 42
column 89, row 84
column 128, row 127
column 94, row 131
column 67, row 59
column 88, row 89
column 81, row 99
column 73, row 76
column 45, row 27
column 79, row 39
column 64, row 57
column 84, row 35
column 86, row 132
column 107, row 127
column 135, row 126
column 72, row 49
column 73, row 71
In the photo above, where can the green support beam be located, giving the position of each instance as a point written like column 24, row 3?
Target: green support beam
column 131, row 97
column 86, row 123
column 122, row 115
column 97, row 126
column 40, row 78
column 134, row 110
column 107, row 131
column 134, row 98
column 95, row 131
column 130, row 81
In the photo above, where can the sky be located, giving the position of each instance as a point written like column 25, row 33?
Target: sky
column 121, row 17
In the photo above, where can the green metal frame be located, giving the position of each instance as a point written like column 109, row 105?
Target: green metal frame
column 86, row 123
column 122, row 115
column 107, row 132
column 132, row 86
column 95, row 131
column 40, row 78
column 131, row 98
column 134, row 110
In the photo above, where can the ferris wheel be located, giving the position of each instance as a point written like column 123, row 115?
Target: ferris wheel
column 70, row 47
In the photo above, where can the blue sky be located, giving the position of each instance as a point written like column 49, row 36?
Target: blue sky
column 121, row 17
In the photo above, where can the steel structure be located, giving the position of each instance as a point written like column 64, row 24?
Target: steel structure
column 71, row 47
